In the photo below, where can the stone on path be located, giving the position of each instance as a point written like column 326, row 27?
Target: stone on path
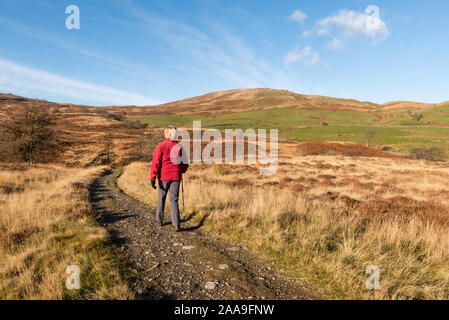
column 142, row 290
column 188, row 247
column 233, row 249
column 223, row 267
column 157, row 265
column 210, row 285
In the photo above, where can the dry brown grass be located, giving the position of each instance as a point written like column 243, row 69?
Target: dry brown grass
column 46, row 225
column 321, row 220
column 85, row 131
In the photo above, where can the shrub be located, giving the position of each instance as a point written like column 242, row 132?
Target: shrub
column 30, row 136
column 415, row 115
column 119, row 117
column 355, row 153
column 430, row 154
column 113, row 116
column 135, row 124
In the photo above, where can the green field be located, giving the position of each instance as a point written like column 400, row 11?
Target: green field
column 396, row 129
column 268, row 118
column 438, row 114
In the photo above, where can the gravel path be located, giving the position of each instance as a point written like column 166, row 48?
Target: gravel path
column 184, row 265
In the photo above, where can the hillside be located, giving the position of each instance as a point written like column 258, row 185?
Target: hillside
column 231, row 101
column 89, row 133
column 240, row 100
column 400, row 126
column 395, row 105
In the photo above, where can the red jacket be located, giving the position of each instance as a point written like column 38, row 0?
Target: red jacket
column 167, row 164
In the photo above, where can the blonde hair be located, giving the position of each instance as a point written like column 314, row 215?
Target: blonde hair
column 171, row 133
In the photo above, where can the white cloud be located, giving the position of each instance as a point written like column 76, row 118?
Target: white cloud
column 307, row 56
column 351, row 25
column 21, row 79
column 306, row 34
column 298, row 16
column 336, row 45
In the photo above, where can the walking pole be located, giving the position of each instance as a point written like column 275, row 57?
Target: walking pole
column 182, row 189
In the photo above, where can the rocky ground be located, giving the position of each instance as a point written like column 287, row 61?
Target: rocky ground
column 188, row 264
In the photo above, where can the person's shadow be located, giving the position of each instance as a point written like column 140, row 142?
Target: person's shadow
column 199, row 225
column 186, row 219
column 189, row 217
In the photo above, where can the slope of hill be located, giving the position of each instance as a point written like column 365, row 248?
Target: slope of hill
column 395, row 105
column 399, row 125
column 240, row 100
column 91, row 135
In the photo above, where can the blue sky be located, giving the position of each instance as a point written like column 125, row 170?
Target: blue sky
column 149, row 52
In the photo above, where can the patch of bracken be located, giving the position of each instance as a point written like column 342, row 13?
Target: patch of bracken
column 327, row 177
column 20, row 236
column 346, row 149
column 404, row 208
column 298, row 187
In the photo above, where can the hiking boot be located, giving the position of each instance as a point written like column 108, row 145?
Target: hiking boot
column 161, row 223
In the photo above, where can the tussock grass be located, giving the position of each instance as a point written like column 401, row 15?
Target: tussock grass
column 323, row 242
column 46, row 225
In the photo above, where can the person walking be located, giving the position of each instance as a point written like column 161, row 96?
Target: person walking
column 168, row 165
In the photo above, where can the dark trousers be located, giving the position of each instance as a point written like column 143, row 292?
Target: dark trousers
column 164, row 188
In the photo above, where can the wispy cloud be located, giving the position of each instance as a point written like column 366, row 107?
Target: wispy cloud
column 113, row 64
column 307, row 56
column 18, row 78
column 298, row 16
column 218, row 50
column 336, row 45
column 306, row 34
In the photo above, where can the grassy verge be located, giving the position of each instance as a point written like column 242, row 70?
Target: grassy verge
column 314, row 241
column 47, row 225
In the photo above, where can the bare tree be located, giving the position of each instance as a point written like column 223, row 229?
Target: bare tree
column 144, row 148
column 369, row 135
column 108, row 151
column 30, row 136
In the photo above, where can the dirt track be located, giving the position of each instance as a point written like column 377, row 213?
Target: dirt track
column 169, row 265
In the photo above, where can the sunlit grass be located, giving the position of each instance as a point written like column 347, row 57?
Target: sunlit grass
column 326, row 244
column 46, row 225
